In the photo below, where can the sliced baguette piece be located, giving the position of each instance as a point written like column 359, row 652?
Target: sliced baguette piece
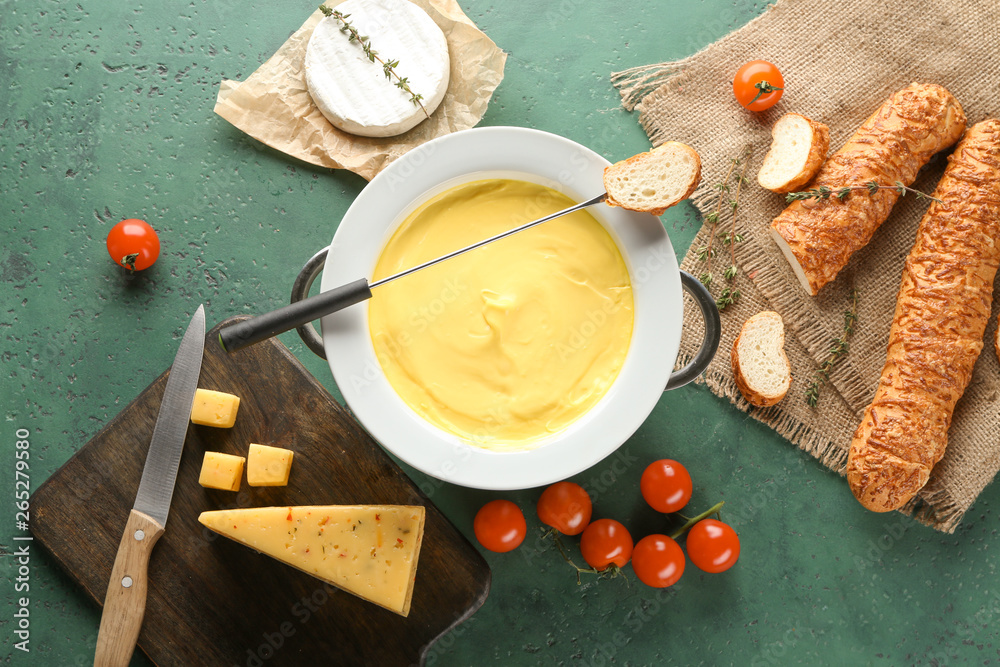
column 798, row 148
column 760, row 367
column 654, row 181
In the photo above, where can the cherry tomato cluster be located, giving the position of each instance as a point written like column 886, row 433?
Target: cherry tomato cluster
column 657, row 560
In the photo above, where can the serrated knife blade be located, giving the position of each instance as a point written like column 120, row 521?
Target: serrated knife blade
column 125, row 601
column 156, row 488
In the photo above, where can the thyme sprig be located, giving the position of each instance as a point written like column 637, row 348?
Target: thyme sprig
column 837, row 350
column 842, row 193
column 388, row 66
column 730, row 294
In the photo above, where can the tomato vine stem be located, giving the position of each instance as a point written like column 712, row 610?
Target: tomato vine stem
column 609, row 572
column 714, row 509
column 763, row 87
column 128, row 261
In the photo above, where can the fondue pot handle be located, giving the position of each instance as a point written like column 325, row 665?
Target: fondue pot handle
column 713, row 332
column 300, row 290
column 713, row 328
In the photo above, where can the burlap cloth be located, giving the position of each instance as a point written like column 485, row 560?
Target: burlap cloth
column 840, row 62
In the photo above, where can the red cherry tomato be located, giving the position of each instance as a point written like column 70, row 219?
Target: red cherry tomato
column 606, row 542
column 132, row 243
column 758, row 85
column 713, row 546
column 666, row 485
column 658, row 561
column 500, row 526
column 566, row 507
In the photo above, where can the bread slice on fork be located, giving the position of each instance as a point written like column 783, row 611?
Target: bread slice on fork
column 654, row 181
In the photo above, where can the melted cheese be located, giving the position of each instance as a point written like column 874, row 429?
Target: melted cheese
column 512, row 342
column 368, row 550
column 352, row 92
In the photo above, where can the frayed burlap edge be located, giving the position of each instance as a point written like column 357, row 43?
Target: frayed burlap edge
column 635, row 83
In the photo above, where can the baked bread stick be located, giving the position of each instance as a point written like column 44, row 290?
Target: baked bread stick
column 818, row 236
column 937, row 330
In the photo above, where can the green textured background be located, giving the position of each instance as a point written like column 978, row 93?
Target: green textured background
column 106, row 113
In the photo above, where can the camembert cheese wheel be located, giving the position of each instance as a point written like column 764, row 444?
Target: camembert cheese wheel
column 368, row 550
column 354, row 93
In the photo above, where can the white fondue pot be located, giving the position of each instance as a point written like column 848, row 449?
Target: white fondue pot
column 657, row 284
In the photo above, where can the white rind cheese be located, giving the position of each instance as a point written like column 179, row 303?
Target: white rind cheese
column 353, row 92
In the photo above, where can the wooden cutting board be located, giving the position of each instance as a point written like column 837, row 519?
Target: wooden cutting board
column 214, row 602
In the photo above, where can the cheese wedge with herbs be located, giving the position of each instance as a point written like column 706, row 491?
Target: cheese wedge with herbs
column 368, row 550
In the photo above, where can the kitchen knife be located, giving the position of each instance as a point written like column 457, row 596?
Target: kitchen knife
column 270, row 324
column 125, row 601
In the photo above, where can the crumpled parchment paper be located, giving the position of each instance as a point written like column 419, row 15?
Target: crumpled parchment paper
column 273, row 105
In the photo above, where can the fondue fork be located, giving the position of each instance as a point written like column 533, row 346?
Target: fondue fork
column 256, row 329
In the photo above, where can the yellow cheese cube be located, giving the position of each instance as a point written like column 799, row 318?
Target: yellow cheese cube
column 268, row 466
column 221, row 471
column 214, row 408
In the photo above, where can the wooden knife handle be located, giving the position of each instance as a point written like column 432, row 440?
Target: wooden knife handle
column 125, row 601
